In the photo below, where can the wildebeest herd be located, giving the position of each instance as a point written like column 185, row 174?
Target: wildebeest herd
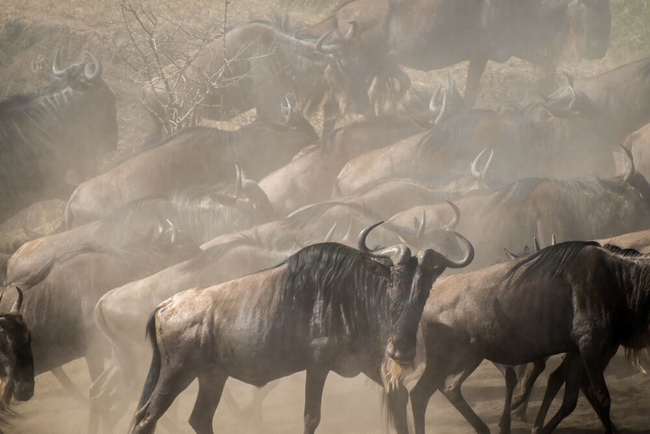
column 245, row 253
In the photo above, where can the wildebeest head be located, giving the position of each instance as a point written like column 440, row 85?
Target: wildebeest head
column 16, row 361
column 589, row 26
column 96, row 110
column 446, row 103
column 410, row 279
column 633, row 178
column 344, row 72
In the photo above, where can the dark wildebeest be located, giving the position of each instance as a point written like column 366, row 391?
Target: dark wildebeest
column 65, row 126
column 262, row 63
column 328, row 307
column 574, row 297
column 60, row 298
column 427, row 35
column 194, row 156
column 572, row 209
column 121, row 314
column 16, row 360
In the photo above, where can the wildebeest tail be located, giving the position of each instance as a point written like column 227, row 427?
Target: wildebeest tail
column 154, row 370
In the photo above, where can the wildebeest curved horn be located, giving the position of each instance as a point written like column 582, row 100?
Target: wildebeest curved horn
column 536, row 244
column 238, row 180
column 423, row 223
column 348, row 234
column 397, row 254
column 574, row 99
column 553, row 240
column 352, row 30
column 56, row 70
column 94, row 70
column 174, row 230
column 1, row 295
column 469, row 255
column 319, row 43
column 329, row 235
column 433, row 102
column 442, row 110
column 629, row 164
column 473, row 167
column 18, row 303
column 452, row 224
column 509, row 254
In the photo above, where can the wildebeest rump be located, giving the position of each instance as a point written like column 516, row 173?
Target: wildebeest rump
column 65, row 126
column 262, row 63
column 572, row 297
column 328, row 307
column 191, row 157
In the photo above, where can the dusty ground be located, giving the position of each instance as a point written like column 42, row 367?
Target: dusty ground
column 28, row 39
column 349, row 406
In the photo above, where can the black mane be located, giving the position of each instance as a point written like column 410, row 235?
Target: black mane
column 331, row 279
column 551, row 259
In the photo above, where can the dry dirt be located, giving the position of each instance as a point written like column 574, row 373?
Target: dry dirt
column 27, row 43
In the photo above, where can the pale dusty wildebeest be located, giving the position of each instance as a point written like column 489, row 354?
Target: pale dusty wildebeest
column 327, row 308
column 16, row 360
column 261, row 64
column 427, row 35
column 65, row 126
column 574, row 297
column 309, row 178
column 191, row 157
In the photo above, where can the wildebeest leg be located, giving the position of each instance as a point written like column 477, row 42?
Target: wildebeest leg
column 170, row 384
column 595, row 363
column 571, row 391
column 452, row 392
column 553, row 385
column 475, row 70
column 520, row 400
column 430, row 381
column 313, row 396
column 210, row 388
column 511, row 382
column 68, row 385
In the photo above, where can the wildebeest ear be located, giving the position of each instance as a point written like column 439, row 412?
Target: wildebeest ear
column 376, row 268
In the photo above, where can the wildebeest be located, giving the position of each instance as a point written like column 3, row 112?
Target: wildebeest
column 59, row 299
column 427, row 35
column 261, row 64
column 574, row 297
column 121, row 314
column 65, row 126
column 327, row 307
column 309, row 178
column 16, row 360
column 572, row 209
column 191, row 157
column 610, row 106
column 202, row 213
